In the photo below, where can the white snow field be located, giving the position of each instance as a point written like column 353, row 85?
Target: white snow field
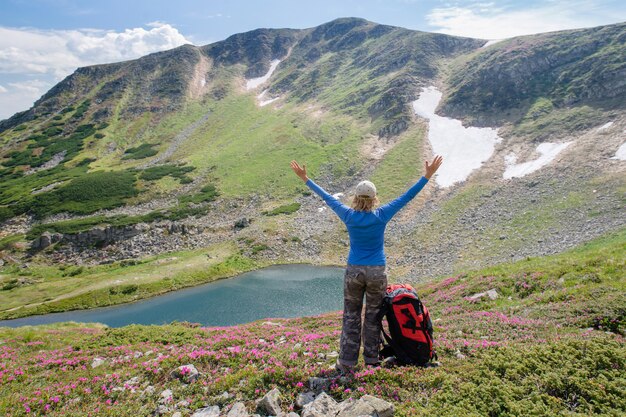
column 463, row 149
column 491, row 42
column 621, row 153
column 255, row 82
column 605, row 126
column 548, row 152
column 265, row 102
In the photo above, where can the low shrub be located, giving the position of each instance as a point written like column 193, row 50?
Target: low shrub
column 286, row 209
column 6, row 213
column 207, row 193
column 86, row 194
column 140, row 152
column 160, row 171
column 80, row 111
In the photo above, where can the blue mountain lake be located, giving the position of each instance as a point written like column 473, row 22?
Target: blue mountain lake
column 276, row 292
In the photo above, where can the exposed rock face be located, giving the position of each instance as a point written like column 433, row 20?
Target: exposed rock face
column 46, row 239
column 255, row 48
column 394, row 128
column 241, row 223
column 567, row 67
column 383, row 408
column 97, row 235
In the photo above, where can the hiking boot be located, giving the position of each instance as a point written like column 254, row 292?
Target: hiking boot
column 390, row 362
column 342, row 369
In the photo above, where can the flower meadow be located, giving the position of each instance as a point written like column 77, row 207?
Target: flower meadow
column 551, row 343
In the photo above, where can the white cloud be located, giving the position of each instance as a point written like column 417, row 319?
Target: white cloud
column 20, row 96
column 53, row 54
column 488, row 21
column 30, row 86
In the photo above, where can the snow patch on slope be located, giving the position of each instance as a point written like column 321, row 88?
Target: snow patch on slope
column 548, row 152
column 463, row 149
column 255, row 82
column 605, row 126
column 263, row 102
column 621, row 153
column 491, row 42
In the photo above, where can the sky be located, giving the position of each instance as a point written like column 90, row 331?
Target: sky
column 43, row 41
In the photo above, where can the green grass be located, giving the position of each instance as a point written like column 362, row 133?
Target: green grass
column 285, row 209
column 249, row 148
column 19, row 188
column 541, row 121
column 81, row 109
column 401, row 166
column 8, row 242
column 160, row 171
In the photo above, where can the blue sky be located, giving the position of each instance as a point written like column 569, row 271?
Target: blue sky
column 42, row 41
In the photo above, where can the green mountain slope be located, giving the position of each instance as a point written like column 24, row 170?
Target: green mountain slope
column 529, row 76
column 113, row 161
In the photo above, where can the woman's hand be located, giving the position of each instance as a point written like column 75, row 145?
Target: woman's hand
column 432, row 167
column 299, row 170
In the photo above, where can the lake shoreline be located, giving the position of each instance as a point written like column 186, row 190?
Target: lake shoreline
column 48, row 308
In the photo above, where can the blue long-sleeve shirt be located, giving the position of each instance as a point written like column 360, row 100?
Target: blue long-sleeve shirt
column 367, row 228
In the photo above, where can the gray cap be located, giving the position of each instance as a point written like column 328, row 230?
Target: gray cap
column 366, row 188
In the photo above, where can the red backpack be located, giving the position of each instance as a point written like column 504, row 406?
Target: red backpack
column 410, row 337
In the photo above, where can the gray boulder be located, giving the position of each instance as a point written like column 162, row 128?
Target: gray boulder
column 304, row 398
column 166, row 396
column 238, row 410
column 323, row 406
column 42, row 241
column 211, row 411
column 318, row 384
column 383, row 408
column 97, row 362
column 241, row 223
column 357, row 409
column 492, row 294
column 270, row 403
column 162, row 409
